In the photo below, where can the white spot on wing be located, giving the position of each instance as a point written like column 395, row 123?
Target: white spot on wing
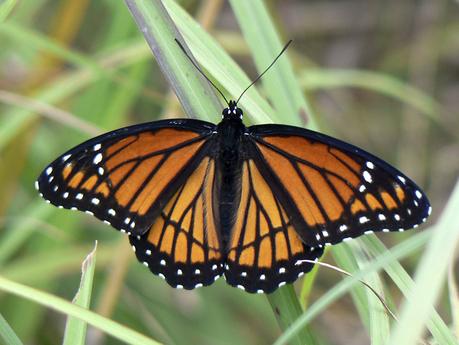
column 49, row 170
column 79, row 196
column 66, row 157
column 97, row 147
column 418, row 194
column 402, row 179
column 97, row 159
column 370, row 165
column 343, row 227
column 367, row 176
column 363, row 220
column 95, row 201
column 36, row 185
column 111, row 212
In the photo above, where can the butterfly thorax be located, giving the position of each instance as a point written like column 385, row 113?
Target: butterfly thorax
column 230, row 133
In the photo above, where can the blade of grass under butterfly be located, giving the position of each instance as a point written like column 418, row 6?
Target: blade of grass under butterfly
column 7, row 333
column 280, row 82
column 75, row 329
column 430, row 276
column 399, row 251
column 286, row 308
column 317, row 78
column 112, row 328
column 194, row 92
column 219, row 64
column 440, row 331
column 377, row 316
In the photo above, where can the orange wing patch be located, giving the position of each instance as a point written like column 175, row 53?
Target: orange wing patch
column 333, row 194
column 264, row 250
column 124, row 179
column 183, row 244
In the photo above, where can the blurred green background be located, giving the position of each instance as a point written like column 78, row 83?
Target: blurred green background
column 383, row 75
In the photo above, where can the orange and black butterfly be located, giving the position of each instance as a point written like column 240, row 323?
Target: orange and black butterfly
column 255, row 204
column 200, row 200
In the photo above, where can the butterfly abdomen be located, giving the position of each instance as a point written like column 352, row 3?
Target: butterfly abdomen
column 230, row 133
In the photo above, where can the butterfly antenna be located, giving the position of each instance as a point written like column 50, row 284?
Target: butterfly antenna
column 199, row 70
column 266, row 70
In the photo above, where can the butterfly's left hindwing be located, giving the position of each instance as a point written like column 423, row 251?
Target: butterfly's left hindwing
column 183, row 245
column 127, row 176
column 332, row 190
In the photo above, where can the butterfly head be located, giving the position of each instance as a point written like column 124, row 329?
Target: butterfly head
column 232, row 112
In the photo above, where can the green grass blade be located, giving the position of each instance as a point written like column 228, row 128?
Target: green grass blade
column 6, row 6
column 430, row 276
column 284, row 303
column 7, row 333
column 194, row 92
column 19, row 33
column 401, row 250
column 110, row 327
column 75, row 329
column 313, row 79
column 20, row 230
column 220, row 65
column 347, row 258
column 378, row 317
column 453, row 298
column 401, row 278
column 280, row 82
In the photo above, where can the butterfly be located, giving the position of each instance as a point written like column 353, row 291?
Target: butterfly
column 255, row 204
